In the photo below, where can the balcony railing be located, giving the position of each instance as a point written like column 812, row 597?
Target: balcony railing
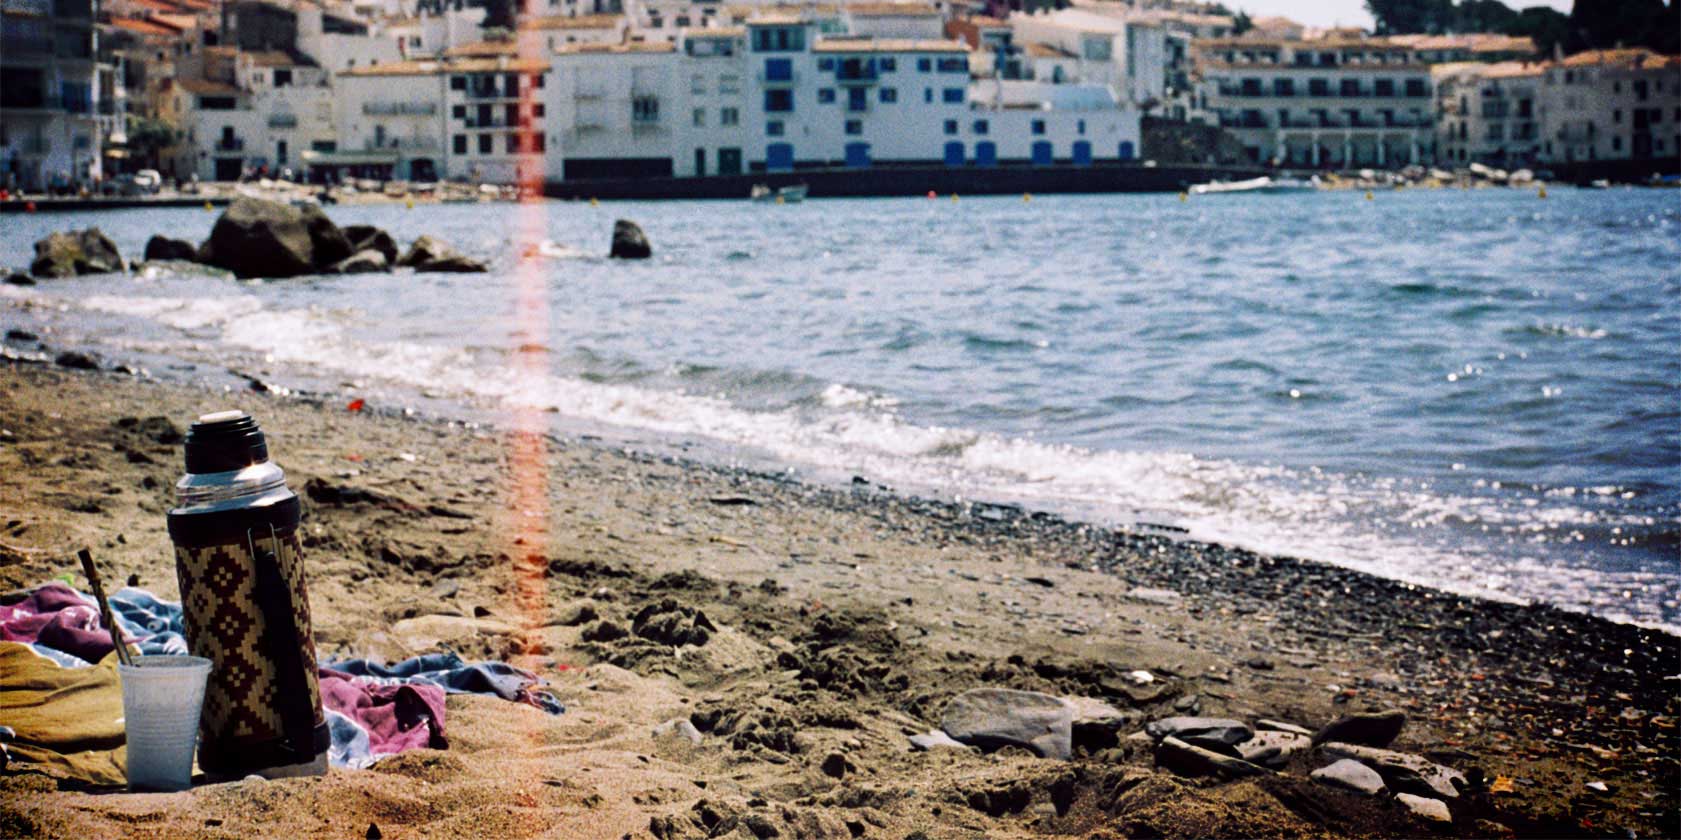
column 39, row 8
column 778, row 79
column 410, row 109
column 489, row 93
column 230, row 144
column 282, row 120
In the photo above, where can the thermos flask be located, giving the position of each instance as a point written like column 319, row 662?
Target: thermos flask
column 240, row 567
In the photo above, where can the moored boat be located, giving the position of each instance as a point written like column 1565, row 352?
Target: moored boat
column 1263, row 184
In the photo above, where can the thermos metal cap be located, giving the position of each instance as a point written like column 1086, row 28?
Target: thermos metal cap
column 223, row 442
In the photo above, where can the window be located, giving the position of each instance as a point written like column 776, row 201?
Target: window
column 510, row 85
column 951, row 126
column 1318, row 87
column 1080, row 126
column 700, row 118
column 484, row 143
column 1283, row 87
column 826, row 64
column 1384, row 87
column 927, row 94
column 538, row 144
column 1415, row 87
column 952, row 96
column 729, row 83
column 513, row 143
column 697, row 84
column 282, row 77
column 779, row 101
column 459, row 112
column 825, row 95
column 773, row 128
column 779, row 39
column 461, row 144
column 889, row 94
column 888, row 65
column 1350, row 87
column 954, row 65
column 1038, row 126
column 1616, row 144
column 729, row 116
column 458, row 83
column 779, row 70
column 924, row 65
column 645, row 109
column 1616, row 115
column 854, row 127
column 537, row 111
column 981, row 126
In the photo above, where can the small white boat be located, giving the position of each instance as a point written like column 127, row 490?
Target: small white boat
column 784, row 195
column 1263, row 184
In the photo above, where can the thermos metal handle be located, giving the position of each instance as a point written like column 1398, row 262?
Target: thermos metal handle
column 297, row 709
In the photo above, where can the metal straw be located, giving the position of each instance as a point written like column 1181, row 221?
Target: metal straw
column 123, row 655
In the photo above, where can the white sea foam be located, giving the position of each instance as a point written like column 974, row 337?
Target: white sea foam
column 1268, row 509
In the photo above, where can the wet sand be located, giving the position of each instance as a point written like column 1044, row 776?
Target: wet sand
column 805, row 631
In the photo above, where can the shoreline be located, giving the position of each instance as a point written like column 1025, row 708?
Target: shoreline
column 951, row 596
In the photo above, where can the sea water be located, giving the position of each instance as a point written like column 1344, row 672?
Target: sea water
column 1478, row 390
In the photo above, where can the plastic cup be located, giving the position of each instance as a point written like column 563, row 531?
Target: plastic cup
column 162, row 698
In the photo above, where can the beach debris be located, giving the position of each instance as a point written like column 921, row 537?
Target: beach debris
column 1220, row 734
column 1273, row 748
column 86, row 251
column 1349, row 774
column 1141, row 677
column 1282, row 726
column 76, row 360
column 366, row 261
column 1598, row 787
column 368, row 237
column 1191, row 760
column 1372, row 729
column 678, row 728
column 428, row 253
column 990, row 718
column 936, row 739
column 1159, row 597
column 1434, row 810
column 732, row 501
column 1404, row 771
column 356, row 404
column 162, row 248
column 629, row 242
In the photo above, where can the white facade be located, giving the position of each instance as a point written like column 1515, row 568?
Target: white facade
column 50, row 86
column 1488, row 113
column 1130, row 55
column 1611, row 105
column 1320, row 103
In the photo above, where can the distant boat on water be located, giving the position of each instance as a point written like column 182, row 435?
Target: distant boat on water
column 784, row 195
column 1263, row 184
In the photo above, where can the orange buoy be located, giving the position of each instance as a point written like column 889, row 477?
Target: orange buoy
column 29, row 206
column 932, row 194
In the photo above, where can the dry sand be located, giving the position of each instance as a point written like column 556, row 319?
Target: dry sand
column 843, row 619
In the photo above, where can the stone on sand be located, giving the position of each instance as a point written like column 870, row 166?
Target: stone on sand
column 1434, row 810
column 936, row 739
column 1403, row 771
column 1273, row 748
column 1214, row 733
column 990, row 718
column 1372, row 729
column 1191, row 760
column 1349, row 774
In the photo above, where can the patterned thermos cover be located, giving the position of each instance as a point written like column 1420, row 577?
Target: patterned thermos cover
column 246, row 605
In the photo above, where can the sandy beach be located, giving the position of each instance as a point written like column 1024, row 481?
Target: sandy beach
column 807, row 631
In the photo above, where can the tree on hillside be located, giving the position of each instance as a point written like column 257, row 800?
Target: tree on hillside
column 1241, row 22
column 500, row 14
column 1546, row 27
column 1403, row 17
column 1601, row 24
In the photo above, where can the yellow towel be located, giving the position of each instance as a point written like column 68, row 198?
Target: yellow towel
column 69, row 721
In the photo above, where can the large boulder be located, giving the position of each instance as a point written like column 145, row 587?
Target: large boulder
column 629, row 243
column 433, row 254
column 257, row 238
column 365, row 237
column 162, row 248
column 990, row 718
column 1404, row 772
column 362, row 262
column 330, row 244
column 79, row 252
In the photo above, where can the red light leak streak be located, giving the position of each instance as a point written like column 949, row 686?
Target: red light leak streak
column 527, row 444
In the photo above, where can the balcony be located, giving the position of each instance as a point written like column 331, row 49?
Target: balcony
column 230, row 144
column 488, row 93
column 283, row 120
column 854, row 71
column 777, row 78
column 400, row 109
column 493, row 122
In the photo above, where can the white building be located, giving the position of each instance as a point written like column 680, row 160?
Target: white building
column 1611, row 105
column 1488, row 113
column 617, row 113
column 50, row 81
column 1127, row 53
column 478, row 119
column 1334, row 102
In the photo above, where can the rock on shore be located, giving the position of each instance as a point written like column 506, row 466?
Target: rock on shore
column 629, row 242
column 256, row 238
column 80, row 252
column 432, row 254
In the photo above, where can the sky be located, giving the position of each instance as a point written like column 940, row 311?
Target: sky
column 1345, row 12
